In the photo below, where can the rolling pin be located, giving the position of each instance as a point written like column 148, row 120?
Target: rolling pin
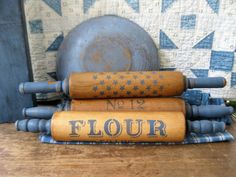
column 119, row 126
column 132, row 104
column 123, row 84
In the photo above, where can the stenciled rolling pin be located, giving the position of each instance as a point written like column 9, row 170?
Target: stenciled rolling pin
column 132, row 104
column 123, row 84
column 119, row 126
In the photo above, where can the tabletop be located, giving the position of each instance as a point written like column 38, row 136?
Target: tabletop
column 21, row 154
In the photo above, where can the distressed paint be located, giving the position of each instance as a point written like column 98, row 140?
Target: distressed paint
column 94, row 84
column 106, row 43
column 76, row 126
column 133, row 104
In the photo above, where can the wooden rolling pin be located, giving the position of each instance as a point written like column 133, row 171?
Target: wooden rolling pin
column 132, row 104
column 119, row 126
column 123, row 84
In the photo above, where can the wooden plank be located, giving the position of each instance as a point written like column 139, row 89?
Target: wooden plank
column 21, row 154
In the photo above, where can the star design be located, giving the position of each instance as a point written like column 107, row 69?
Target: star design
column 95, row 88
column 135, row 77
column 128, row 82
column 154, row 82
column 135, row 88
column 148, row 88
column 95, row 77
column 142, row 82
column 154, row 92
column 115, row 82
column 148, row 77
column 108, row 77
column 102, row 93
column 108, row 88
column 115, row 93
column 128, row 92
column 142, row 92
column 102, row 82
column 122, row 87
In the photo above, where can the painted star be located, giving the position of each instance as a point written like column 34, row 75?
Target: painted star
column 95, row 77
column 122, row 87
column 95, row 88
column 135, row 88
column 128, row 82
column 102, row 82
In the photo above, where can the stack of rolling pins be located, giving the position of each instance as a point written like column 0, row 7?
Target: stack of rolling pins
column 123, row 107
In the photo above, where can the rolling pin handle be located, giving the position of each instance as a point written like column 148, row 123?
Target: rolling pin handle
column 211, row 111
column 40, row 112
column 40, row 87
column 206, row 82
column 205, row 127
column 34, row 125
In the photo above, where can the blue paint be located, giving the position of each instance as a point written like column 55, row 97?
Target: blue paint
column 200, row 72
column 36, row 26
column 188, row 21
column 166, row 42
column 206, row 42
column 14, row 66
column 166, row 4
column 55, row 5
column 134, row 4
column 88, row 4
column 167, row 69
column 56, row 43
column 221, row 60
column 233, row 79
column 214, row 4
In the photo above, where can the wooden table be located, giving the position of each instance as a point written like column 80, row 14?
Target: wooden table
column 21, row 154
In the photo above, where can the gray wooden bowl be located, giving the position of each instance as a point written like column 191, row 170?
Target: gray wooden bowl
column 106, row 43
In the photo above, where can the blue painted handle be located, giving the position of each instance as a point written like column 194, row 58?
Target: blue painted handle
column 40, row 112
column 205, row 127
column 211, row 111
column 206, row 82
column 40, row 87
column 34, row 125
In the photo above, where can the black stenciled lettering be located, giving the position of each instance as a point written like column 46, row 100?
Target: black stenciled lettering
column 111, row 104
column 154, row 128
column 75, row 127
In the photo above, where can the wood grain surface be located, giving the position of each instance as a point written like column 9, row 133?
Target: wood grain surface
column 118, row 126
column 21, row 154
column 126, row 84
